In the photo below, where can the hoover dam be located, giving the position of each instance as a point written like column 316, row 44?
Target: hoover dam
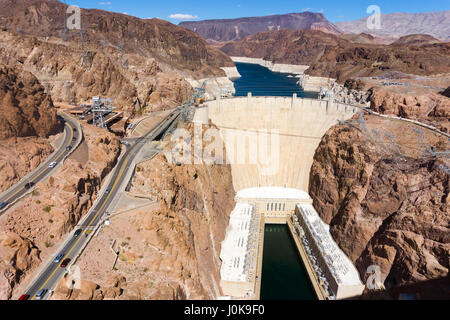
column 295, row 127
column 270, row 144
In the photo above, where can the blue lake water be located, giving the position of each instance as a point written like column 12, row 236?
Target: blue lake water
column 260, row 81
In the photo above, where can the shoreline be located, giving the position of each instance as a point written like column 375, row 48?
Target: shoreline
column 275, row 67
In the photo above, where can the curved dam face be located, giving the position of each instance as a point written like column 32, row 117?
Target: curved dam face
column 271, row 141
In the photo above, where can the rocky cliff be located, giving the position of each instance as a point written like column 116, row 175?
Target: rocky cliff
column 235, row 29
column 25, row 108
column 383, row 186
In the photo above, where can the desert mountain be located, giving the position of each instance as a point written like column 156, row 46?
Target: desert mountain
column 105, row 57
column 337, row 57
column 285, row 46
column 235, row 29
column 436, row 24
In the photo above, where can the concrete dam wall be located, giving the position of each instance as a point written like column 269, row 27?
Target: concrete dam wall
column 279, row 135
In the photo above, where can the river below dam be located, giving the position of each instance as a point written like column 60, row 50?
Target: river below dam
column 260, row 81
column 283, row 275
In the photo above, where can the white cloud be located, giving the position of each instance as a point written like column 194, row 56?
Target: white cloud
column 105, row 3
column 308, row 9
column 182, row 16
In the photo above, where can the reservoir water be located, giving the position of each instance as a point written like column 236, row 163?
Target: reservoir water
column 283, row 275
column 260, row 81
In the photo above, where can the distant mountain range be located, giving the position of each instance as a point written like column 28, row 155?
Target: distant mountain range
column 222, row 30
column 436, row 24
column 393, row 26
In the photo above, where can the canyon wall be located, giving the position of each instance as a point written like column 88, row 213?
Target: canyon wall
column 290, row 128
column 383, row 186
column 26, row 109
column 27, row 119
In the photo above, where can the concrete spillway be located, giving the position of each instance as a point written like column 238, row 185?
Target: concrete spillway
column 295, row 126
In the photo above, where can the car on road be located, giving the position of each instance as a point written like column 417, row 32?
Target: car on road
column 107, row 191
column 24, row 297
column 59, row 258
column 41, row 294
column 74, row 139
column 3, row 205
column 77, row 233
column 69, row 148
column 52, row 165
column 74, row 130
column 65, row 263
column 29, row 185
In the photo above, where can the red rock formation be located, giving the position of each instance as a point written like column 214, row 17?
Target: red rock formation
column 383, row 186
column 17, row 256
column 423, row 106
column 25, row 109
column 19, row 156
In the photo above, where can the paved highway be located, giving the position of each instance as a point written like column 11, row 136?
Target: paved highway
column 27, row 184
column 74, row 245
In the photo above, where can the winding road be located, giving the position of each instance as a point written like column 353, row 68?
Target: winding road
column 82, row 234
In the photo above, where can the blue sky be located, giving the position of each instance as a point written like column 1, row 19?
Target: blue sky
column 334, row 10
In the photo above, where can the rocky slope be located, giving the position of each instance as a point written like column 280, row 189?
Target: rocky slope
column 368, row 61
column 19, row 156
column 285, row 46
column 25, row 109
column 105, row 57
column 427, row 107
column 341, row 57
column 171, row 251
column 235, row 29
column 383, row 186
column 401, row 24
column 40, row 221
